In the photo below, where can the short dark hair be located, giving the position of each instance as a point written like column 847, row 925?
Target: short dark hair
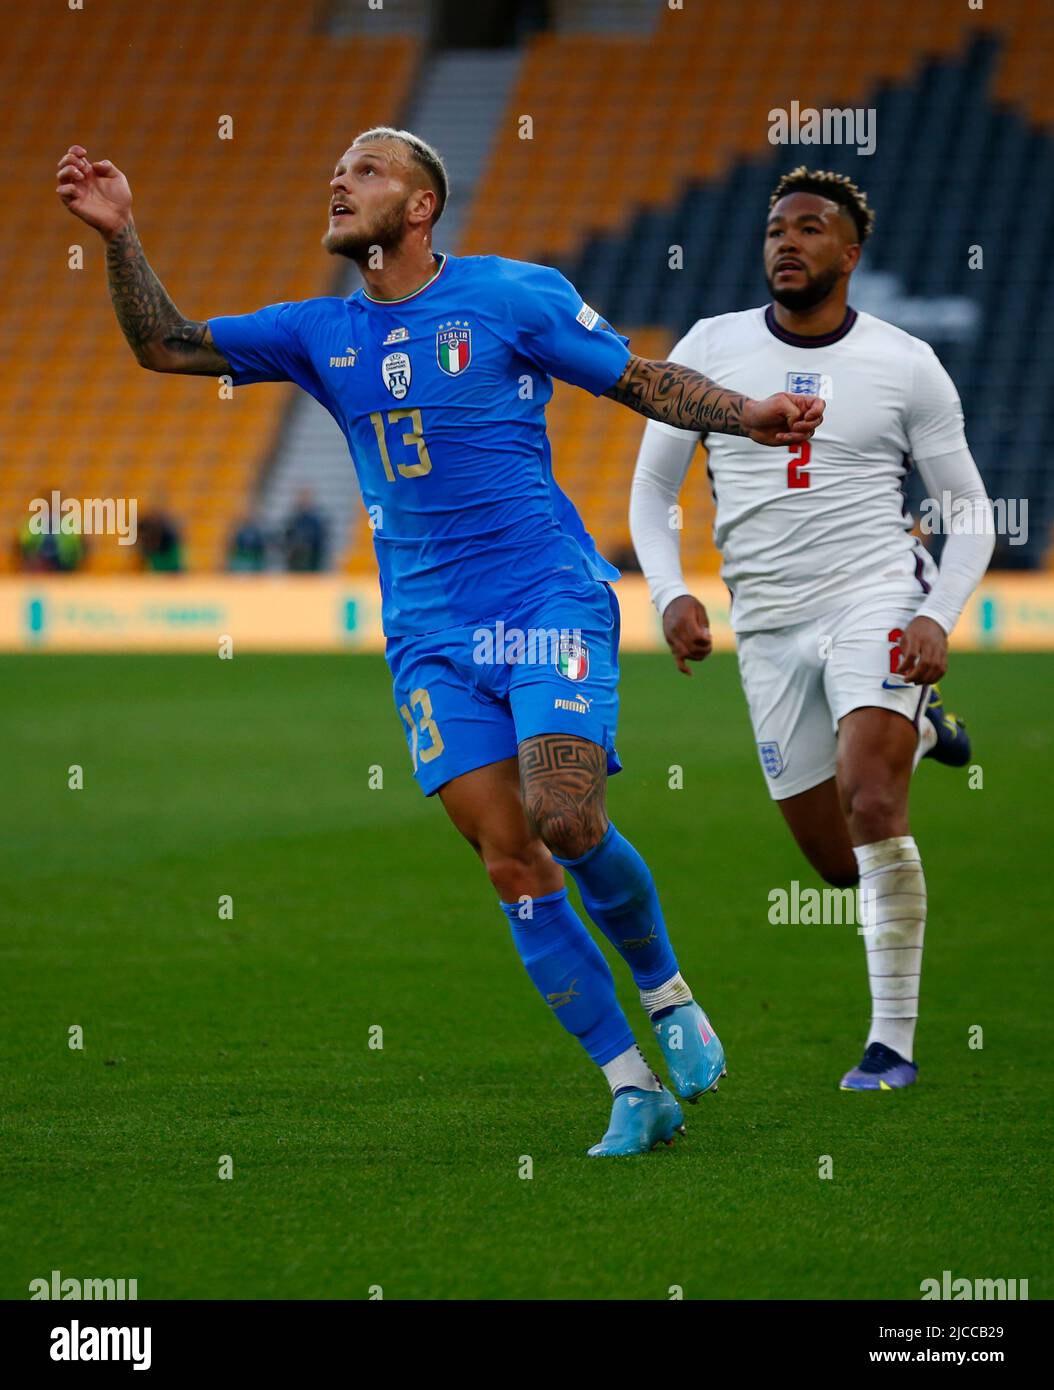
column 423, row 155
column 837, row 187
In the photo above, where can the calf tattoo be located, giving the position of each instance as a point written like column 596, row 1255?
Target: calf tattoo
column 678, row 396
column 562, row 781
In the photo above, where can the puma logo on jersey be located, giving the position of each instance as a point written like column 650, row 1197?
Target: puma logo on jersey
column 579, row 706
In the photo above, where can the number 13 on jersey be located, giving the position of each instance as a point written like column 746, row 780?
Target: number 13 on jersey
column 412, row 439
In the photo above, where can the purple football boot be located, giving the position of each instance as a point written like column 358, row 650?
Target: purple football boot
column 882, row 1069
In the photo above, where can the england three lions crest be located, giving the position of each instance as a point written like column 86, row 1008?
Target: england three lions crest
column 810, row 384
column 454, row 347
column 771, row 759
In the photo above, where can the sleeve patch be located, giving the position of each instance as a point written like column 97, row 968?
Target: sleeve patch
column 587, row 317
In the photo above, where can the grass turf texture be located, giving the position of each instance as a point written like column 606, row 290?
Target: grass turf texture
column 399, row 1167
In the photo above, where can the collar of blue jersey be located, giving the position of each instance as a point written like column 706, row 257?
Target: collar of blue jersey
column 441, row 257
column 802, row 340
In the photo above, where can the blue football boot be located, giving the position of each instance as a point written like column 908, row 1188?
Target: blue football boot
column 639, row 1121
column 882, row 1069
column 692, row 1049
column 953, row 742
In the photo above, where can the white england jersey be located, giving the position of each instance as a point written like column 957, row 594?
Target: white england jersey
column 799, row 527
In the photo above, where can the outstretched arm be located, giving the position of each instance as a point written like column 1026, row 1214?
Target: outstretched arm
column 679, row 396
column 160, row 336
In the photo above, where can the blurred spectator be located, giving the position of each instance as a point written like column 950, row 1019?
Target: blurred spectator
column 248, row 549
column 304, row 538
column 158, row 546
column 42, row 550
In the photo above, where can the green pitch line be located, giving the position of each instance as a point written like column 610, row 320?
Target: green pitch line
column 352, row 908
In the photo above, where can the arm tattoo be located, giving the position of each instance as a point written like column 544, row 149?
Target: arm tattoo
column 678, row 396
column 155, row 329
column 562, row 781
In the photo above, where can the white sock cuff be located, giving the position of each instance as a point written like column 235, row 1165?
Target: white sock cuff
column 674, row 991
column 630, row 1068
column 899, row 849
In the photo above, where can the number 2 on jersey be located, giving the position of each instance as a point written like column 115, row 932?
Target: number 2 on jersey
column 796, row 474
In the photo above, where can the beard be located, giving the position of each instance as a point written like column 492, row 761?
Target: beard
column 356, row 243
column 814, row 291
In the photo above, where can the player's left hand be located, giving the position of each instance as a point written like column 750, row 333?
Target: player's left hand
column 686, row 627
column 923, row 652
column 783, row 418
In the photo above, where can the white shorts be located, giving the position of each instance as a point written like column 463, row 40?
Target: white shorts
column 800, row 681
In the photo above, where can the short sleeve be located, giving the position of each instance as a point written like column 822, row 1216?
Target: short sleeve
column 554, row 327
column 263, row 346
column 934, row 422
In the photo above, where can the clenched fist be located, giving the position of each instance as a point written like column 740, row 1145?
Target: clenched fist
column 686, row 628
column 96, row 191
column 783, row 418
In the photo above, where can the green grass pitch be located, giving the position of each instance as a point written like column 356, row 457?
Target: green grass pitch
column 400, row 1167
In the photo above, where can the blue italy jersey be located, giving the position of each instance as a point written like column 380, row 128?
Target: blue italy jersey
column 441, row 397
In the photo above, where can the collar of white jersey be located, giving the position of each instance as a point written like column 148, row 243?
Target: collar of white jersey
column 803, row 340
column 441, row 257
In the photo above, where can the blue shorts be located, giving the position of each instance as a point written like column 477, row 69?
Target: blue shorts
column 469, row 696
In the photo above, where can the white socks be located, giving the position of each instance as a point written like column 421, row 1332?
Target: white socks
column 630, row 1069
column 673, row 992
column 893, row 908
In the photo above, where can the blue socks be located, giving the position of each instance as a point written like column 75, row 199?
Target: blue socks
column 620, row 896
column 569, row 971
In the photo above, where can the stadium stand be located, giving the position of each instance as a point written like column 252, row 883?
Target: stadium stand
column 974, row 81
column 641, row 139
column 230, row 225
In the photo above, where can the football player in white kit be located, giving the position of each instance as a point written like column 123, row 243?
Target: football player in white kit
column 841, row 617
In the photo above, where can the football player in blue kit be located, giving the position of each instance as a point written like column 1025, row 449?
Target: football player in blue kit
column 502, row 626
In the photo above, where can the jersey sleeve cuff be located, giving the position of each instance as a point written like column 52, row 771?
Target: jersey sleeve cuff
column 662, row 597
column 943, row 620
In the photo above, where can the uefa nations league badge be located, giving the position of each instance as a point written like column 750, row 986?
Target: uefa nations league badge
column 395, row 369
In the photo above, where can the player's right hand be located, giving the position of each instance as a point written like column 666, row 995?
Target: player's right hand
column 686, row 627
column 95, row 190
column 784, row 418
